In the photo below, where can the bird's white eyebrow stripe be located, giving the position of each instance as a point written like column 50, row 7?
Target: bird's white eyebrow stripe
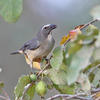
column 45, row 26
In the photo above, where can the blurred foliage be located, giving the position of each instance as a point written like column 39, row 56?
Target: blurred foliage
column 73, row 67
column 10, row 10
column 95, row 12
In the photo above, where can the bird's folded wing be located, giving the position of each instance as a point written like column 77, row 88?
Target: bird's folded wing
column 31, row 45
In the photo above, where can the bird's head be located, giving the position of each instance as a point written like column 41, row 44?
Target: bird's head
column 46, row 30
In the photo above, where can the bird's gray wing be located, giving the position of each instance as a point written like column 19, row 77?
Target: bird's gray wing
column 31, row 45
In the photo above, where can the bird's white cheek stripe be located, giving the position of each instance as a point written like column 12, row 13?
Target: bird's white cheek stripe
column 45, row 26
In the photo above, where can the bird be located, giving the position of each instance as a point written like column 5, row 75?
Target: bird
column 39, row 47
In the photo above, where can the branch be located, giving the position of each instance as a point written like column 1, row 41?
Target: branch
column 2, row 97
column 76, row 96
column 84, row 26
column 26, row 89
column 91, row 22
column 95, row 90
column 6, row 96
column 67, row 97
column 43, row 70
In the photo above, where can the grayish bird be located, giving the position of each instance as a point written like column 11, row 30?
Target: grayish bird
column 39, row 47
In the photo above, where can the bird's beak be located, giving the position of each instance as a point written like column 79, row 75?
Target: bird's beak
column 52, row 26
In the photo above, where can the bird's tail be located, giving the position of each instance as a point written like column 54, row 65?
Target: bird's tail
column 16, row 52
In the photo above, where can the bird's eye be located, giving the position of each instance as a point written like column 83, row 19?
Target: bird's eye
column 45, row 27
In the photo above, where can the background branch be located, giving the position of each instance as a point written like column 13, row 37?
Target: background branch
column 76, row 96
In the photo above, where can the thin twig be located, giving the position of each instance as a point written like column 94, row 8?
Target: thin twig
column 6, row 94
column 2, row 97
column 42, row 70
column 26, row 89
column 95, row 90
column 92, row 69
column 91, row 22
column 76, row 96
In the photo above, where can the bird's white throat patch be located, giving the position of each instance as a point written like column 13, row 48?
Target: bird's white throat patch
column 50, row 37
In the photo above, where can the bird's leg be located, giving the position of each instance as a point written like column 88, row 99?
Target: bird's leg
column 31, row 66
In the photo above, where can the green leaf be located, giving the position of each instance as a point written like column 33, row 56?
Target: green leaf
column 22, row 82
column 92, row 65
column 95, row 13
column 92, row 31
column 30, row 93
column 84, row 82
column 96, row 80
column 10, row 10
column 96, row 54
column 79, row 61
column 58, row 76
column 57, row 58
column 65, row 89
column 71, row 52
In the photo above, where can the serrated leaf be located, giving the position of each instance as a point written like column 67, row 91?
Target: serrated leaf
column 58, row 76
column 30, row 93
column 79, row 61
column 65, row 89
column 57, row 58
column 84, row 82
column 10, row 10
column 22, row 82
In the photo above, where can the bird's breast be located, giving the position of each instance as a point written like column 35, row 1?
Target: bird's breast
column 48, row 45
column 44, row 49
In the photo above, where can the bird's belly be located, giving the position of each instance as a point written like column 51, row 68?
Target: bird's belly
column 42, row 51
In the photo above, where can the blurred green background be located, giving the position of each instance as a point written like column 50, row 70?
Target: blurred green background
column 64, row 13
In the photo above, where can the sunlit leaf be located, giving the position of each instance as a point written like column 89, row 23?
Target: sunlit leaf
column 57, row 58
column 70, row 36
column 64, row 39
column 22, row 82
column 74, row 33
column 10, row 10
